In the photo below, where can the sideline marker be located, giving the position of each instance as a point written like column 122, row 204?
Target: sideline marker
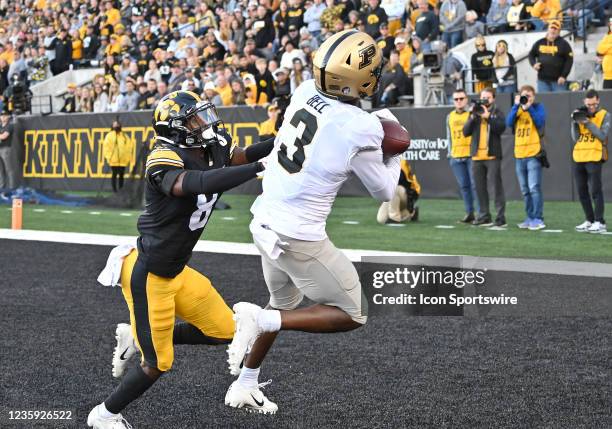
column 17, row 218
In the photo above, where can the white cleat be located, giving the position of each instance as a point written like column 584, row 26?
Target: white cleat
column 252, row 400
column 247, row 331
column 125, row 349
column 584, row 226
column 96, row 421
column 597, row 228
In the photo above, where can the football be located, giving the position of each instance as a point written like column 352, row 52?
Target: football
column 396, row 140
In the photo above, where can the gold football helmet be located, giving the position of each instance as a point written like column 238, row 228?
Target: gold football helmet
column 347, row 66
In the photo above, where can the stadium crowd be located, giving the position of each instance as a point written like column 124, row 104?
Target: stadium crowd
column 238, row 51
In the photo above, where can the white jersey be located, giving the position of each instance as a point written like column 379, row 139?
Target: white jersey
column 312, row 158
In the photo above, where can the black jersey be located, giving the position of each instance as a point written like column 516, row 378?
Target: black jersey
column 170, row 226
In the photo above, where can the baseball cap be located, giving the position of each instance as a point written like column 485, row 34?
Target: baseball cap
column 555, row 24
column 399, row 39
column 210, row 85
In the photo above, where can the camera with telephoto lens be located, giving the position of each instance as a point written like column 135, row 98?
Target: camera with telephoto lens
column 523, row 100
column 479, row 105
column 581, row 114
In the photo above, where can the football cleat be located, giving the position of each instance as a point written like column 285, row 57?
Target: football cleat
column 125, row 349
column 252, row 400
column 96, row 421
column 247, row 331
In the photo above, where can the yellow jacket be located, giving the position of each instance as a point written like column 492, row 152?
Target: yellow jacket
column 547, row 9
column 118, row 149
column 604, row 48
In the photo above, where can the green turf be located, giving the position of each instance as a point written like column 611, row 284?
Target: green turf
column 421, row 237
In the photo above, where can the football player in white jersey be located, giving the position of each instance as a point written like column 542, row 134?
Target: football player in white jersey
column 325, row 137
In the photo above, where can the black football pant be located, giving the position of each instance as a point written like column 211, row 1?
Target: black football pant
column 588, row 175
column 485, row 172
column 117, row 177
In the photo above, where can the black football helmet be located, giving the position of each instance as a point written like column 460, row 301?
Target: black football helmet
column 183, row 119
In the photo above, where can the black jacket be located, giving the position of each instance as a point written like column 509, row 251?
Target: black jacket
column 372, row 18
column 482, row 65
column 556, row 58
column 497, row 125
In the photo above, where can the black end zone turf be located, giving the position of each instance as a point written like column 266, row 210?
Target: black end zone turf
column 58, row 337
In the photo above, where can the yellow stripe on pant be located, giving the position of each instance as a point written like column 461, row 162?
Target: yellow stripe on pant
column 154, row 302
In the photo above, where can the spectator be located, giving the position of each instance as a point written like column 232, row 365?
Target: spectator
column 372, row 17
column 129, row 100
column 517, row 16
column 298, row 74
column 153, row 72
column 264, row 30
column 505, row 68
column 604, row 55
column 18, row 66
column 267, row 129
column 482, row 65
column 459, row 154
column 582, row 15
column 473, row 27
column 281, row 20
column 486, row 125
column 6, row 162
column 553, row 58
column 118, row 153
column 453, row 69
column 148, row 94
column 77, row 46
column 312, row 16
column 283, row 84
column 395, row 10
column 426, row 26
column 480, row 7
column 452, row 20
column 91, row 43
column 405, row 53
column 545, row 12
column 70, row 105
column 527, row 121
column 100, row 103
column 63, row 53
column 402, row 206
column 114, row 97
column 590, row 131
column 162, row 91
column 210, row 92
column 85, row 101
column 291, row 54
column 224, row 90
column 385, row 42
column 497, row 17
column 393, row 81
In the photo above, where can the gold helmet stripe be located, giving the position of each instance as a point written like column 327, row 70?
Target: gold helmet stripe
column 329, row 53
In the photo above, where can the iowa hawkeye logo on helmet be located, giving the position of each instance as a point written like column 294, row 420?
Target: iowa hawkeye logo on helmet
column 183, row 119
column 347, row 66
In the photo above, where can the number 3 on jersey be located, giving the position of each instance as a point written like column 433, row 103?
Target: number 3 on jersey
column 199, row 218
column 294, row 163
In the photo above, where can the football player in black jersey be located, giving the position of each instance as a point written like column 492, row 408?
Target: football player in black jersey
column 191, row 165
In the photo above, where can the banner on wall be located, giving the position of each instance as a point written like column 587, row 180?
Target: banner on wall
column 64, row 152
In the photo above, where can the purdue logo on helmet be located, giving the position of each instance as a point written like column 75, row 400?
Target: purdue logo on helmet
column 347, row 66
column 183, row 119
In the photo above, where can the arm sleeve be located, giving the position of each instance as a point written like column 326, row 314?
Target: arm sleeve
column 497, row 122
column 569, row 60
column 533, row 53
column 468, row 127
column 574, row 131
column 600, row 133
column 511, row 118
column 538, row 114
column 379, row 178
column 259, row 150
column 218, row 180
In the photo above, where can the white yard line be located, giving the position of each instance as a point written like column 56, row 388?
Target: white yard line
column 543, row 266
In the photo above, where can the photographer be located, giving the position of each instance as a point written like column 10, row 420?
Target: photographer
column 459, row 153
column 486, row 125
column 590, row 129
column 527, row 119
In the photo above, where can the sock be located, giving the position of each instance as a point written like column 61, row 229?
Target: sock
column 184, row 333
column 269, row 320
column 104, row 413
column 134, row 384
column 248, row 377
